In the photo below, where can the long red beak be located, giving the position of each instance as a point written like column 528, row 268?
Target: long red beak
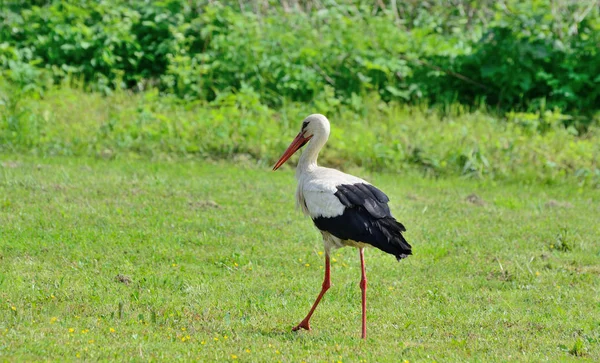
column 298, row 142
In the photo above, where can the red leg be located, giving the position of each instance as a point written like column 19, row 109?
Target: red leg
column 326, row 285
column 363, row 287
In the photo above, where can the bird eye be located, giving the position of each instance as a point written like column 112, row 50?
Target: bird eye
column 304, row 124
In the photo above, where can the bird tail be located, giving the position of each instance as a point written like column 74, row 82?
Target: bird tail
column 397, row 244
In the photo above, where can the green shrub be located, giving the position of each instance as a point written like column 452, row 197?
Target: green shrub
column 513, row 56
column 532, row 61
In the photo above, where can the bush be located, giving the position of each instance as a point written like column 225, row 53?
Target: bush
column 519, row 56
column 530, row 63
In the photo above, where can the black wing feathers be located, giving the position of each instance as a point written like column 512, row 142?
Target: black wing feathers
column 366, row 218
column 365, row 195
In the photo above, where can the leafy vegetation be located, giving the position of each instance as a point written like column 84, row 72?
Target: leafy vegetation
column 199, row 261
column 512, row 55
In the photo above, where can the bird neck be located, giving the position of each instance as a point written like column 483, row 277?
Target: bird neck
column 308, row 159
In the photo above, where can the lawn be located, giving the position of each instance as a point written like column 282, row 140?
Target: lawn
column 181, row 260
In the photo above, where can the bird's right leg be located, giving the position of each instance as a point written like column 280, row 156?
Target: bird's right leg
column 363, row 287
column 326, row 285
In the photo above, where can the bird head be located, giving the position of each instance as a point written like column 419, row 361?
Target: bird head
column 313, row 125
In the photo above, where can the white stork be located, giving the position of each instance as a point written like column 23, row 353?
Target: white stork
column 347, row 210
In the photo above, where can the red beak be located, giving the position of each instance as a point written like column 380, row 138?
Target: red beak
column 298, row 142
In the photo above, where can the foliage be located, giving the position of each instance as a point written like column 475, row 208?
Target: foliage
column 195, row 261
column 104, row 42
column 373, row 134
column 533, row 60
column 521, row 56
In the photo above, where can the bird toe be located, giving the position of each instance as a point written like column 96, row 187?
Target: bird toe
column 302, row 325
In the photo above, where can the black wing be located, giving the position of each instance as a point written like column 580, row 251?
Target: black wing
column 367, row 219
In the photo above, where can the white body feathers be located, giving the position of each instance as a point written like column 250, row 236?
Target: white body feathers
column 316, row 190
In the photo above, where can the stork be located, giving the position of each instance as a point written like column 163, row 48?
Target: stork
column 347, row 210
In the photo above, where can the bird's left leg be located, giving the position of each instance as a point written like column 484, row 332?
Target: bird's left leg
column 326, row 285
column 363, row 287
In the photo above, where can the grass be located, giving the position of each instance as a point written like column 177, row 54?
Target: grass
column 186, row 260
column 375, row 135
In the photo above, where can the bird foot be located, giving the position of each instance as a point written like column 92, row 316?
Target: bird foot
column 302, row 325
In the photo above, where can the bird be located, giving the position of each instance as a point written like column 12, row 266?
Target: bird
column 347, row 210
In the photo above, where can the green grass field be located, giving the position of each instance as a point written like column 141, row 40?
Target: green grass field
column 190, row 260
